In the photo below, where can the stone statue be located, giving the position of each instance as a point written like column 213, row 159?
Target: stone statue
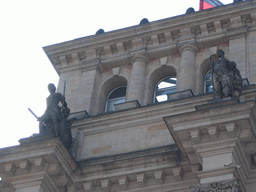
column 190, row 10
column 100, row 31
column 144, row 21
column 226, row 78
column 54, row 120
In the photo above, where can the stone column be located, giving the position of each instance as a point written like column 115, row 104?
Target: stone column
column 136, row 83
column 187, row 68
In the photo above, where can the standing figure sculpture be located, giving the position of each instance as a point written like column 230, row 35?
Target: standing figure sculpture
column 50, row 121
column 226, row 78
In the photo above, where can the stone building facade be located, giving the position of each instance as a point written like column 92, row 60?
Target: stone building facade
column 145, row 118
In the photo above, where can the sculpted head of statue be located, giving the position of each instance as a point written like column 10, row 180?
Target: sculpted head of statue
column 220, row 53
column 51, row 88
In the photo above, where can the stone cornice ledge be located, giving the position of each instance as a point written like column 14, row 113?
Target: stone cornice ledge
column 173, row 22
column 166, row 26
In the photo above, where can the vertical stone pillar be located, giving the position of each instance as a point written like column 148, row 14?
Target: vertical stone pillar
column 251, row 72
column 237, row 44
column 237, row 53
column 86, row 93
column 187, row 68
column 136, row 83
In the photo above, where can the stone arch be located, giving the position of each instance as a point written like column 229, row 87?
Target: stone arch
column 204, row 68
column 107, row 87
column 156, row 76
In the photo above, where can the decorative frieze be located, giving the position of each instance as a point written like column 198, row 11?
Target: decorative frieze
column 168, row 37
column 53, row 169
column 75, row 58
column 178, row 173
column 124, row 182
column 155, row 40
column 72, row 188
column 217, row 26
column 61, row 180
column 213, row 132
column 231, row 129
column 10, row 168
column 174, row 35
column 25, row 166
column 195, row 135
column 225, row 186
column 63, row 60
column 88, row 186
column 236, row 21
column 120, row 47
column 204, row 29
column 108, row 50
column 142, row 179
column 106, row 185
column 159, row 176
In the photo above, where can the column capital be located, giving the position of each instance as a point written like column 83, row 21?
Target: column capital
column 140, row 57
column 189, row 47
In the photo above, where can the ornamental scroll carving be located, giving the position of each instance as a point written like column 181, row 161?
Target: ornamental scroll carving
column 225, row 186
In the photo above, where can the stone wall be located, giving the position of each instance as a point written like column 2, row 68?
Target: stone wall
column 182, row 43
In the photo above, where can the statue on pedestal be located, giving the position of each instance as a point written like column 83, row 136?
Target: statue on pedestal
column 226, row 78
column 54, row 120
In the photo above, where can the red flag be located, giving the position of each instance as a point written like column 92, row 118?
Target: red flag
column 207, row 4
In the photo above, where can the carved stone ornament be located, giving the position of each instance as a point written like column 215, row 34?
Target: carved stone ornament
column 225, row 186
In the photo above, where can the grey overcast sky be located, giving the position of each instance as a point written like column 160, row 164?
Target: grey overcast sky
column 29, row 25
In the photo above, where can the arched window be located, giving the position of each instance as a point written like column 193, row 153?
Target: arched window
column 163, row 88
column 116, row 96
column 208, row 83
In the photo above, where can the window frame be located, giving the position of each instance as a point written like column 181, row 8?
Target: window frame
column 207, row 80
column 114, row 99
column 168, row 88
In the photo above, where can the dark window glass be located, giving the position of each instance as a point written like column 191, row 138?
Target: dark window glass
column 116, row 96
column 208, row 83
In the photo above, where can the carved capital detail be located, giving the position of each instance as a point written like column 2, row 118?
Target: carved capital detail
column 188, row 47
column 142, row 58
